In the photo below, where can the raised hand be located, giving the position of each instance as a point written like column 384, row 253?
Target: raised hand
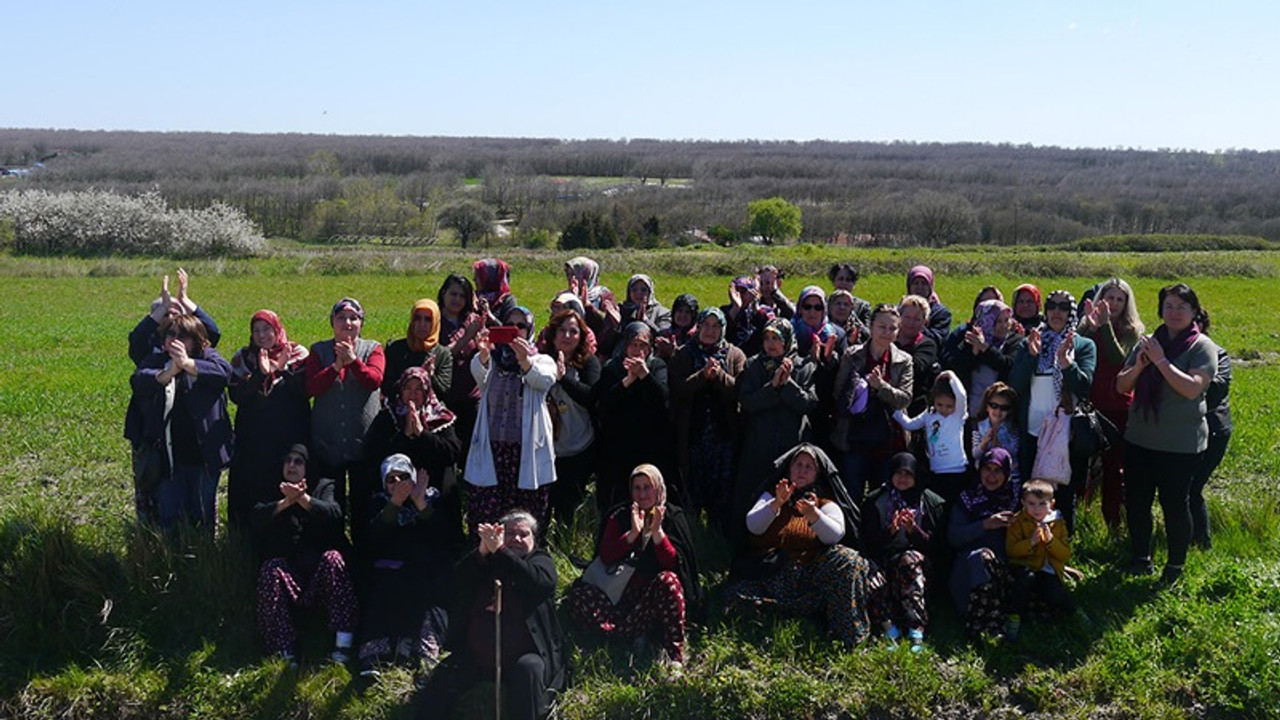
column 974, row 337
column 412, row 421
column 711, row 370
column 782, row 491
column 655, row 522
column 808, row 507
column 492, row 536
column 664, row 346
column 1066, row 349
column 178, row 354
column 1034, row 342
column 400, row 492
column 609, row 304
column 420, row 485
column 784, row 369
column 876, row 378
column 523, row 350
column 637, row 522
column 183, row 299
column 292, row 493
column 561, row 366
column 735, row 296
column 1153, row 349
column 344, row 353
column 484, row 346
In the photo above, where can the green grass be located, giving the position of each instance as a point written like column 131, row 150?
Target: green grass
column 101, row 619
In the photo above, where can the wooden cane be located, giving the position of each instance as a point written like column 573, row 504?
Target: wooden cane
column 497, row 649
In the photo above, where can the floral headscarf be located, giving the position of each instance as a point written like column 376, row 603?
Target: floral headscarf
column 587, row 271
column 433, row 337
column 647, row 281
column 493, row 280
column 987, row 315
column 433, row 413
column 978, row 501
column 806, row 333
column 703, row 353
column 786, row 333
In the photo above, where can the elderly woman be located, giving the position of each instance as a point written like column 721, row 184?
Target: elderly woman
column 300, row 539
column 775, row 391
column 1026, row 307
column 902, row 535
column 632, row 418
column 822, row 343
column 343, row 375
column 531, row 652
column 414, row 422
column 598, row 307
column 684, row 316
column 1111, row 321
column 642, row 305
column 645, row 572
column 704, row 403
column 414, row 540
column 511, row 460
column 1053, row 368
column 460, row 323
column 874, row 381
column 983, row 353
column 577, row 372
column 976, row 531
column 913, row 312
column 268, row 384
column 420, row 347
column 920, row 284
column 181, row 432
column 803, row 528
column 1169, row 374
column 841, row 305
column 844, row 278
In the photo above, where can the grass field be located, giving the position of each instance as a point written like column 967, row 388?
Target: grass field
column 99, row 619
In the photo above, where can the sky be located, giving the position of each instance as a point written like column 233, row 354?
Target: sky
column 1151, row 74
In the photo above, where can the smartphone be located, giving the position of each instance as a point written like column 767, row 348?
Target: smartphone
column 503, row 334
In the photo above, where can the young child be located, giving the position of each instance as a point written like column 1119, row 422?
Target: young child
column 997, row 424
column 944, row 432
column 1038, row 549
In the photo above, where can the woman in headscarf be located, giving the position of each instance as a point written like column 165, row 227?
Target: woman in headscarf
column 1169, row 374
column 511, row 460
column 598, row 310
column 976, row 531
column 841, row 305
column 902, row 534
column 268, row 384
column 684, row 317
column 460, row 322
column 844, row 277
column 800, row 557
column 1026, row 307
column 414, row 540
column 651, row 539
column 920, row 283
column 704, row 403
column 984, row 354
column 493, row 289
column 642, row 305
column 566, row 339
column 415, row 423
column 632, row 417
column 822, row 343
column 775, row 391
column 1053, row 368
column 873, row 381
column 1111, row 321
column 420, row 347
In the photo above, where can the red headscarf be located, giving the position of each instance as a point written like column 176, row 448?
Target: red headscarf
column 492, row 280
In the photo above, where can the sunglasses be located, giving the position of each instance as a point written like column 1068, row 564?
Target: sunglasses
column 810, row 307
column 394, row 478
column 1052, row 305
column 999, row 406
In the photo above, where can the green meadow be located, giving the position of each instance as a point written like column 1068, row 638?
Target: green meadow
column 99, row 618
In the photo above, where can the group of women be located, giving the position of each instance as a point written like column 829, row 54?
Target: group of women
column 774, row 418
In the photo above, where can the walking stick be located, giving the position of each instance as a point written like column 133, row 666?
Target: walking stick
column 497, row 649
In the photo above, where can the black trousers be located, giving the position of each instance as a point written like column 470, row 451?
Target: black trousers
column 524, row 696
column 1146, row 472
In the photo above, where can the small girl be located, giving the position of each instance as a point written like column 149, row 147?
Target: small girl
column 944, row 432
column 997, row 425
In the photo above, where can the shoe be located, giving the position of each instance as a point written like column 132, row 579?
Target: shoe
column 1012, row 628
column 917, row 639
column 1139, row 567
column 892, row 634
column 1171, row 575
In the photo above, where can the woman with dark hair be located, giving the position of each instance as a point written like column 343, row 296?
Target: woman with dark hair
column 1053, row 369
column 920, row 284
column 800, row 556
column 460, row 322
column 844, row 276
column 981, row 351
column 268, row 384
column 704, row 404
column 1169, row 373
column 632, row 417
column 182, row 427
column 420, row 347
column 1026, row 307
column 684, row 317
column 1111, row 321
column 997, row 426
column 577, row 371
column 976, row 531
column 642, row 305
column 645, row 576
column 511, row 459
column 776, row 393
column 1218, row 400
column 874, row 380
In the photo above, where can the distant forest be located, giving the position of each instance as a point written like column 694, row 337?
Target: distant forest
column 650, row 192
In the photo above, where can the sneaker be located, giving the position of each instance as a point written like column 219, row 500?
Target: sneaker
column 340, row 656
column 917, row 639
column 1139, row 567
column 289, row 658
column 892, row 634
column 1012, row 627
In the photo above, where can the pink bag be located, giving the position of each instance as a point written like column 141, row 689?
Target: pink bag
column 1053, row 453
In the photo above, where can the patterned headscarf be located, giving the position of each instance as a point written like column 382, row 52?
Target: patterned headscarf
column 786, row 333
column 647, row 281
column 806, row 333
column 1050, row 340
column 986, row 315
column 493, row 280
column 283, row 347
column 912, row 498
column 587, row 271
column 433, row 337
column 433, row 413
column 703, row 353
column 245, row 361
column 503, row 355
column 978, row 501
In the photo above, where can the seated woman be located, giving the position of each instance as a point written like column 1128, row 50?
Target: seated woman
column 181, row 433
column 795, row 560
column 532, row 643
column 420, row 347
column 976, row 531
column 273, row 412
column 654, row 538
column 415, row 538
column 300, row 537
column 902, row 534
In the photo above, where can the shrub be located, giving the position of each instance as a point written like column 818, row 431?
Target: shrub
column 95, row 222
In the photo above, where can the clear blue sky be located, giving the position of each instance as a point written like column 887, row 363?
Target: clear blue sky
column 1197, row 74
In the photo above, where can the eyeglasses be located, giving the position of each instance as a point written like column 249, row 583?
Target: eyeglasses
column 810, row 306
column 1052, row 305
column 999, row 406
column 294, row 460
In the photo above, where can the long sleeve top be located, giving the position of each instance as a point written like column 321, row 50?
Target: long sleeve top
column 1023, row 550
column 944, row 433
column 829, row 527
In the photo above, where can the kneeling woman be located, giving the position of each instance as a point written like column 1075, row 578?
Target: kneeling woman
column 796, row 560
column 649, row 570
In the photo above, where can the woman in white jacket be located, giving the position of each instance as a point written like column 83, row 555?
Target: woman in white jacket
column 511, row 462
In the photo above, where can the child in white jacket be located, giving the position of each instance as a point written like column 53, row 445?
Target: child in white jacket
column 944, row 434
